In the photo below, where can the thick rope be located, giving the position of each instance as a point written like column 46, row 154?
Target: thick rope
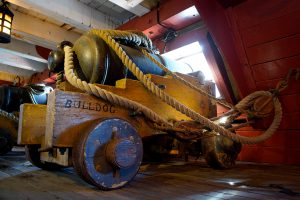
column 107, row 36
column 200, row 90
column 59, row 78
column 104, row 94
column 9, row 116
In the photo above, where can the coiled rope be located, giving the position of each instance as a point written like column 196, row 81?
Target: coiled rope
column 108, row 37
column 9, row 116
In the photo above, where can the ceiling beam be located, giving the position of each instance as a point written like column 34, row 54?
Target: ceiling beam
column 166, row 10
column 22, row 49
column 132, row 6
column 7, row 58
column 15, row 70
column 40, row 32
column 72, row 12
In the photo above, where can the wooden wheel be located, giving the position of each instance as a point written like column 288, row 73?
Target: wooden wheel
column 8, row 134
column 6, row 141
column 110, row 155
column 220, row 152
column 33, row 156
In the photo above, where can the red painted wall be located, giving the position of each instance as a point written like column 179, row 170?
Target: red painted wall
column 264, row 36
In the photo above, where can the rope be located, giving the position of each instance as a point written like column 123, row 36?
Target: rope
column 9, row 116
column 108, row 37
column 104, row 94
column 59, row 78
column 202, row 91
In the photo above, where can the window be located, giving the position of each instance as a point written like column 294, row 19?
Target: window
column 193, row 56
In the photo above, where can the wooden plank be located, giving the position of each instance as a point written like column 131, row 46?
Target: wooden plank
column 251, row 13
column 274, row 50
column 70, row 12
column 290, row 103
column 23, row 49
column 221, row 109
column 273, row 154
column 263, row 154
column 275, row 69
column 40, row 32
column 251, row 153
column 290, row 121
column 293, row 87
column 293, row 140
column 292, row 155
column 32, row 122
column 274, row 29
column 216, row 20
column 173, row 180
column 278, row 139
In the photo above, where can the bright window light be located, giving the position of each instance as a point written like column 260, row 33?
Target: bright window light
column 193, row 56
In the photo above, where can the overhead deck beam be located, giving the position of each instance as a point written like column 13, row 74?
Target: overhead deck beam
column 22, row 49
column 72, row 12
column 7, row 58
column 14, row 70
column 132, row 6
column 36, row 31
column 167, row 10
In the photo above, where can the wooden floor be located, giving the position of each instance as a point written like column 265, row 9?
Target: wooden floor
column 176, row 180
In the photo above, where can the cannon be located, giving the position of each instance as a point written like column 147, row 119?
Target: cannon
column 121, row 100
column 11, row 97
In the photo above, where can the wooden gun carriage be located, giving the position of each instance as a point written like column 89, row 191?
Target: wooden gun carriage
column 104, row 140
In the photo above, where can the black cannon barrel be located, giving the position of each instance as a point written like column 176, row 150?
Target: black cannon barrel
column 96, row 62
column 11, row 97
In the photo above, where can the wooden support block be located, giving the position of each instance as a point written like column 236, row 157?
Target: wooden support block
column 31, row 124
column 70, row 114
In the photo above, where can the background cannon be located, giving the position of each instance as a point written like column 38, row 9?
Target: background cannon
column 11, row 97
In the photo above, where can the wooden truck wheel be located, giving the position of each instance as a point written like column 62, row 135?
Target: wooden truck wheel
column 33, row 156
column 110, row 155
column 6, row 141
column 8, row 134
column 220, row 152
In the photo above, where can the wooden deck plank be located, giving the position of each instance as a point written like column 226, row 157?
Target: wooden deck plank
column 173, row 180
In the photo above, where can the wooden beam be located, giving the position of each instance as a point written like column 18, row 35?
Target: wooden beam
column 40, row 32
column 72, row 12
column 132, row 7
column 167, row 10
column 15, row 70
column 7, row 58
column 22, row 49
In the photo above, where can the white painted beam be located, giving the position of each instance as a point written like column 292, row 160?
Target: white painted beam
column 131, row 6
column 16, row 71
column 71, row 12
column 22, row 49
column 21, row 62
column 36, row 31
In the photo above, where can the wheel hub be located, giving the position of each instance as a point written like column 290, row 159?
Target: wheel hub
column 121, row 153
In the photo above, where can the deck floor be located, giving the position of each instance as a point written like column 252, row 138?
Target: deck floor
column 174, row 180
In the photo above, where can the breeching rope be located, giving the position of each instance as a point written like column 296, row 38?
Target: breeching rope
column 8, row 115
column 110, row 37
